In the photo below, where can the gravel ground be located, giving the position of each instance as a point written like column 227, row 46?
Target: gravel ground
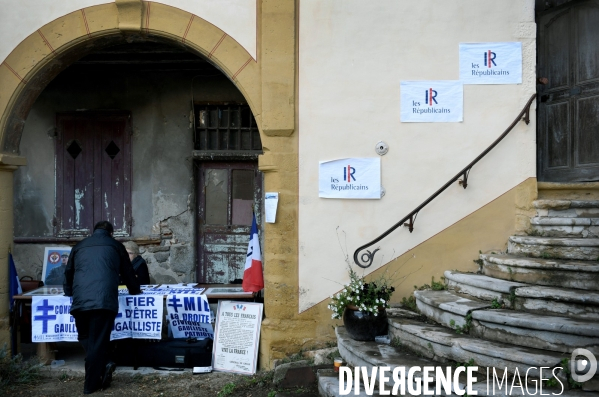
column 67, row 381
column 218, row 384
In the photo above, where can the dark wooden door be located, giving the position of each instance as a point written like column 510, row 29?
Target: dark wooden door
column 93, row 172
column 568, row 109
column 228, row 194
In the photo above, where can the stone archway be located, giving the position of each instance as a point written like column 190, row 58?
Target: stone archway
column 268, row 84
column 41, row 56
column 38, row 59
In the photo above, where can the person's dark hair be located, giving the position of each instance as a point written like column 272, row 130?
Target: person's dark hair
column 104, row 225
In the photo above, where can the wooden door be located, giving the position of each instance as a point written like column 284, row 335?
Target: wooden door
column 93, row 172
column 228, row 194
column 568, row 109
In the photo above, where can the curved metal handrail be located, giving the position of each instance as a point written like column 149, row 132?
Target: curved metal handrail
column 366, row 258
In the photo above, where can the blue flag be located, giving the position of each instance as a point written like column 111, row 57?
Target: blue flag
column 14, row 286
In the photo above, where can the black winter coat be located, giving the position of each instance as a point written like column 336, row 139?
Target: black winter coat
column 92, row 273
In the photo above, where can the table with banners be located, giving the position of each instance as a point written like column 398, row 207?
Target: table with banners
column 185, row 307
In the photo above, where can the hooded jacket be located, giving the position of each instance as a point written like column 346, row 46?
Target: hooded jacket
column 92, row 273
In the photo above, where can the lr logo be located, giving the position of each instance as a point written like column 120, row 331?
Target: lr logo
column 490, row 58
column 348, row 173
column 583, row 370
column 430, row 97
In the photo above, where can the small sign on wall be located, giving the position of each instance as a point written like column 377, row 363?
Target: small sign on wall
column 439, row 101
column 491, row 63
column 350, row 178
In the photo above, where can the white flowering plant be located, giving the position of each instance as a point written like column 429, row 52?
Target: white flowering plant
column 361, row 295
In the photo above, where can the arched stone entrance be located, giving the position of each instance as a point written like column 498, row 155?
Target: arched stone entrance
column 268, row 84
column 48, row 51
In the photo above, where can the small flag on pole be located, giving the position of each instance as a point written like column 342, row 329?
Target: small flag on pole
column 13, row 281
column 253, row 280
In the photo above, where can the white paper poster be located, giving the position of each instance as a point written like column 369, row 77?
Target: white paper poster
column 189, row 316
column 491, row 63
column 236, row 337
column 51, row 320
column 350, row 178
column 439, row 101
column 139, row 316
column 271, row 201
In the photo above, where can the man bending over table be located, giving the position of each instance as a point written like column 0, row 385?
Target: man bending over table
column 92, row 279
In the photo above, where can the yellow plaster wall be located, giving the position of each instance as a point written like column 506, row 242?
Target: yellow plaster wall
column 454, row 248
column 65, row 35
column 6, row 234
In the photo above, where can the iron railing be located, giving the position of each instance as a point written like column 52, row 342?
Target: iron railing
column 365, row 259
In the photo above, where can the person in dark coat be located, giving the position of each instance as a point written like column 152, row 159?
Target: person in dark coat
column 139, row 264
column 92, row 279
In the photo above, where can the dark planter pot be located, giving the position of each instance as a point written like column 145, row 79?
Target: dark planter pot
column 365, row 325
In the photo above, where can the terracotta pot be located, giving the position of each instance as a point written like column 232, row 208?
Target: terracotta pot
column 364, row 326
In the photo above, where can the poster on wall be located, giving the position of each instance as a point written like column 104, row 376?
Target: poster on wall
column 439, row 101
column 55, row 261
column 491, row 63
column 350, row 178
column 236, row 337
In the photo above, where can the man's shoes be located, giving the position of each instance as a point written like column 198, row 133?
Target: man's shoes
column 110, row 367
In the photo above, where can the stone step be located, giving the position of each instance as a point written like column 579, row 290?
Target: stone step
column 565, row 302
column 371, row 354
column 444, row 345
column 482, row 287
column 565, row 227
column 555, row 248
column 548, row 272
column 328, row 385
column 558, row 301
column 559, row 334
column 447, row 308
column 567, row 208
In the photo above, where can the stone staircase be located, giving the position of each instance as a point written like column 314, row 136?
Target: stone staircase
column 528, row 308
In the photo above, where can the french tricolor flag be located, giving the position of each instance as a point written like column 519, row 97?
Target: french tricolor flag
column 253, row 280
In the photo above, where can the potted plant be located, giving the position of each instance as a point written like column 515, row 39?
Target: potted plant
column 362, row 305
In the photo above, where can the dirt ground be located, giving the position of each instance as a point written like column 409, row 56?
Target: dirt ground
column 202, row 385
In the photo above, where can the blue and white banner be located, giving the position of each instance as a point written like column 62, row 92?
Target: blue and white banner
column 350, row 178
column 139, row 317
column 439, row 101
column 51, row 320
column 491, row 63
column 189, row 316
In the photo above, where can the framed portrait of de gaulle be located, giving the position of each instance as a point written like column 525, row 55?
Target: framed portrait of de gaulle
column 55, row 261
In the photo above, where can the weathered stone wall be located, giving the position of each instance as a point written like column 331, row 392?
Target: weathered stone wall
column 163, row 195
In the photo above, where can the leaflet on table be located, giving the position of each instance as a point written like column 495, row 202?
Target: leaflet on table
column 189, row 316
column 165, row 291
column 139, row 316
